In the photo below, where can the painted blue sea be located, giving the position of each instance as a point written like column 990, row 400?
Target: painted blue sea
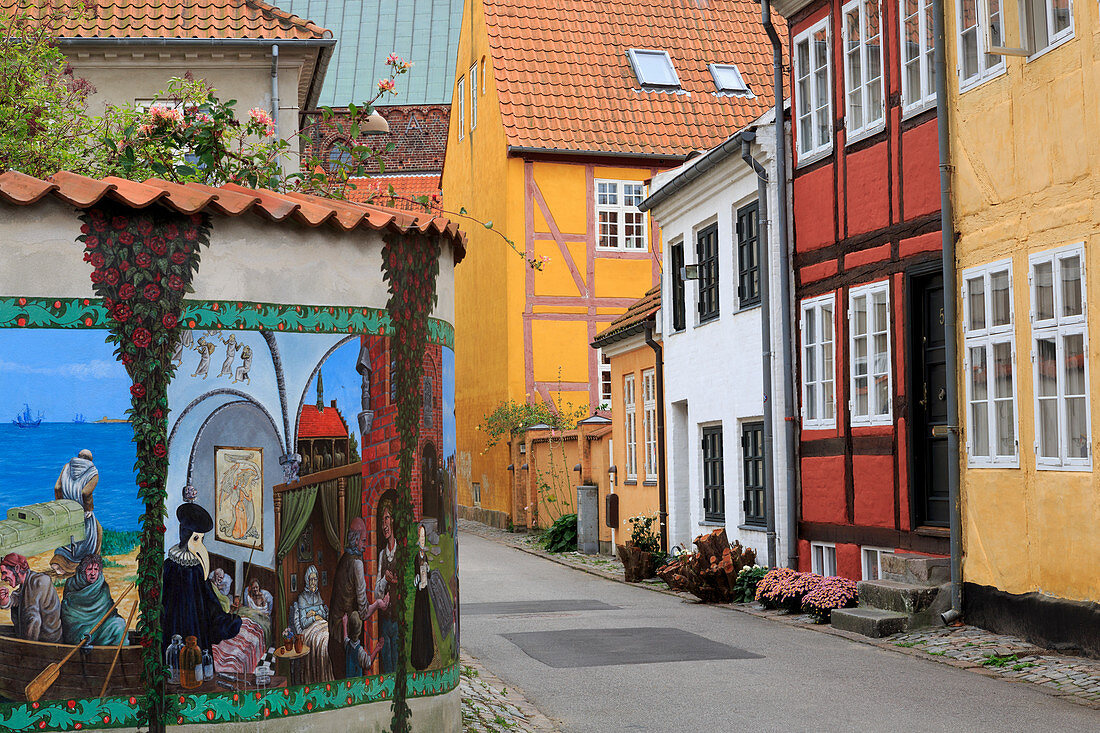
column 31, row 460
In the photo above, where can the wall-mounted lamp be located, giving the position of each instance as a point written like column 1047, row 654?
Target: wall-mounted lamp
column 523, row 467
column 689, row 272
column 613, row 475
column 577, row 468
column 511, row 467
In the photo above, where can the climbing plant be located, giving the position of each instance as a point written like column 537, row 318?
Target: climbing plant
column 142, row 265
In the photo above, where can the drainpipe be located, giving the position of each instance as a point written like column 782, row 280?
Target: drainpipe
column 790, row 419
column 662, row 479
column 950, row 288
column 747, row 138
column 275, row 89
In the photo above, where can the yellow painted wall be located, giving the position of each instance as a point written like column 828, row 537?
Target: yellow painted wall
column 1027, row 179
column 490, row 284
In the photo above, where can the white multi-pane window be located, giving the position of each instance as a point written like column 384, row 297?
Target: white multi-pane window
column 864, row 107
column 461, row 108
column 630, row 425
column 1049, row 22
column 918, row 55
column 979, row 22
column 604, row 363
column 823, row 558
column 818, row 370
column 473, row 97
column 1060, row 358
column 813, row 90
column 989, row 362
column 622, row 223
column 869, row 349
column 872, row 562
column 649, row 422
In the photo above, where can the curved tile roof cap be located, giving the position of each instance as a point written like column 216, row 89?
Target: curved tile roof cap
column 206, row 19
column 229, row 200
column 633, row 320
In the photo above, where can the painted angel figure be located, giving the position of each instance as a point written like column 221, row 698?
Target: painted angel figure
column 231, row 347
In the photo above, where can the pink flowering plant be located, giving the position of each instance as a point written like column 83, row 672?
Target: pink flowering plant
column 834, row 592
column 767, row 589
column 793, row 588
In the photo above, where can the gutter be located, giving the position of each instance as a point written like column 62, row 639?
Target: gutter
column 950, row 289
column 747, row 138
column 728, row 148
column 790, row 419
column 523, row 150
column 275, row 93
column 662, row 489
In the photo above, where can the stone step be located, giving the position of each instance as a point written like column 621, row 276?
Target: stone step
column 922, row 604
column 915, row 569
column 872, row 622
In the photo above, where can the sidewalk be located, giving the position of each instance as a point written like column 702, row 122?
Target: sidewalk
column 490, row 706
column 1010, row 658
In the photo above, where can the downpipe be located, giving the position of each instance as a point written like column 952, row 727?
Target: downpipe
column 662, row 478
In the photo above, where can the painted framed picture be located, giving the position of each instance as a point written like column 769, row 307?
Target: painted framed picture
column 305, row 545
column 294, row 582
column 239, row 496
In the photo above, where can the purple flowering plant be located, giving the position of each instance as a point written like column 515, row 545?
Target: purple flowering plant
column 831, row 593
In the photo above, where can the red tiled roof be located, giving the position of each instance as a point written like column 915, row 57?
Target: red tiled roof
column 565, row 82
column 228, row 19
column 633, row 320
column 230, row 200
column 377, row 189
column 315, row 423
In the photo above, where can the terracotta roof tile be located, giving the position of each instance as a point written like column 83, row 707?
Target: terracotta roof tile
column 327, row 423
column 227, row 19
column 565, row 82
column 376, row 189
column 633, row 320
column 231, row 200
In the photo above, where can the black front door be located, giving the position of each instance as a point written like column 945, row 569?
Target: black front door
column 929, row 403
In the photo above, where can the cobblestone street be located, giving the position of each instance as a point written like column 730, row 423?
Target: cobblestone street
column 490, row 706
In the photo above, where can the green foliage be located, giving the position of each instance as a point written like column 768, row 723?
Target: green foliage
column 562, row 535
column 119, row 543
column 642, row 535
column 512, row 417
column 995, row 660
column 744, row 586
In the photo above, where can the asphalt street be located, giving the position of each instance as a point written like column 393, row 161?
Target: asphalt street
column 597, row 655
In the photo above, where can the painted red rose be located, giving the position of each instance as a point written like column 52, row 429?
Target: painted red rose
column 127, row 291
column 151, row 291
column 91, row 241
column 158, row 414
column 97, row 277
column 175, row 282
column 119, row 222
column 169, row 320
column 171, row 231
column 85, row 229
column 127, row 359
column 99, row 225
column 179, row 258
column 191, row 235
column 143, row 259
column 112, row 276
column 158, row 245
column 126, row 238
column 121, row 313
column 159, row 450
column 97, row 260
column 137, row 390
column 141, row 337
column 196, row 219
column 145, row 227
column 123, row 266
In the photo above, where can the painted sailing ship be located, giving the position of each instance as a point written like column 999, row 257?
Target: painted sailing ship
column 79, row 419
column 25, row 420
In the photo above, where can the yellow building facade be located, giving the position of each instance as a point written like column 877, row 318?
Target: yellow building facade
column 1026, row 196
column 551, row 142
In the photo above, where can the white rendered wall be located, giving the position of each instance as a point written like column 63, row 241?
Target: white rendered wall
column 714, row 370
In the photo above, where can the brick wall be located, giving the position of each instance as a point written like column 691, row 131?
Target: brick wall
column 418, row 134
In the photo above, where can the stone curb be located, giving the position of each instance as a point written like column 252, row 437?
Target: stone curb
column 533, row 721
column 794, row 621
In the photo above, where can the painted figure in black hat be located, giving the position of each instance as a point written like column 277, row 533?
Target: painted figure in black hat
column 191, row 607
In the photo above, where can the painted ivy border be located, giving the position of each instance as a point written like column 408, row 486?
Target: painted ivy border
column 45, row 312
column 225, row 707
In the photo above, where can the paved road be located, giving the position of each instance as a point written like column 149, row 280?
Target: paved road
column 798, row 680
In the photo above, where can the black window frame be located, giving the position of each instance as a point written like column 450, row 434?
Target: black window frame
column 706, row 254
column 679, row 312
column 748, row 255
column 753, row 476
column 714, row 497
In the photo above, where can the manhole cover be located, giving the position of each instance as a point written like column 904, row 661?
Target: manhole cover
column 604, row 647
column 500, row 608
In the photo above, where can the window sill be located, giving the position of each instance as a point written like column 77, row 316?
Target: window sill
column 712, row 523
column 866, row 132
column 966, row 86
column 748, row 306
column 814, row 156
column 708, row 319
column 649, row 482
column 1078, row 467
column 1038, row 54
column 1015, row 464
column 928, row 531
column 886, row 422
column 813, row 425
column 752, row 528
column 919, row 108
column 630, row 482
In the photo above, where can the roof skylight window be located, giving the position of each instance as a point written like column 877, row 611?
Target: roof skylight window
column 653, row 68
column 728, row 79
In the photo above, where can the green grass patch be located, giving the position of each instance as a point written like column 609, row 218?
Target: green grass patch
column 119, row 543
column 906, row 644
column 992, row 660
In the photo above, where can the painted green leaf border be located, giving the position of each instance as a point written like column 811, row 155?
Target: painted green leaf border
column 224, row 707
column 43, row 312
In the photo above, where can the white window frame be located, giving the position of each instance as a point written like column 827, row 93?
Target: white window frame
column 740, row 87
column 869, row 126
column 873, row 417
column 482, row 74
column 823, row 558
column 1053, row 40
column 473, row 97
column 987, row 337
column 461, row 108
column 630, row 426
column 864, row 560
column 925, row 60
column 635, row 56
column 649, row 422
column 987, row 69
column 812, row 308
column 812, row 149
column 1058, row 328
column 606, row 187
column 603, row 375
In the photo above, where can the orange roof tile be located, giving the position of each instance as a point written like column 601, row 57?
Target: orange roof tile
column 226, row 19
column 230, row 200
column 377, row 189
column 327, row 423
column 633, row 321
column 565, row 82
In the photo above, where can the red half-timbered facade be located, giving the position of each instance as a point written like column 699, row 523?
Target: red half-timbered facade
column 869, row 296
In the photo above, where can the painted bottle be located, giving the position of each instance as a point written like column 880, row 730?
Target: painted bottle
column 172, row 659
column 191, row 664
column 207, row 665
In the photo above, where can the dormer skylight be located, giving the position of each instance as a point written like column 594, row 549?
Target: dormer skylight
column 653, row 68
column 728, row 79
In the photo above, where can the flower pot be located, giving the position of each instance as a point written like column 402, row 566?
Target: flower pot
column 298, row 644
column 289, row 644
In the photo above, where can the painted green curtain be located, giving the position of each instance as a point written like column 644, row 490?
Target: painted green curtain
column 330, row 503
column 296, row 508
